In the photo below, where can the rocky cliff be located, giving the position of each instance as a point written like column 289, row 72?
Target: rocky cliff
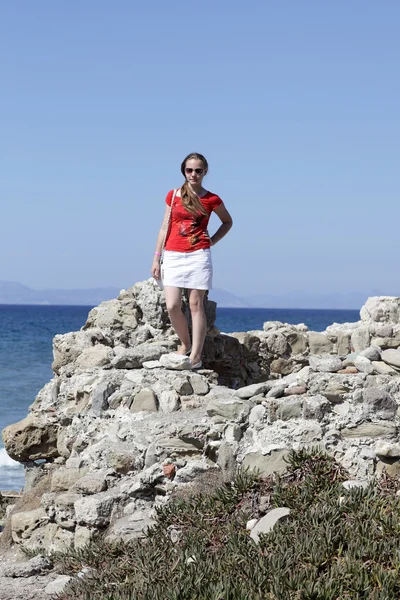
column 117, row 430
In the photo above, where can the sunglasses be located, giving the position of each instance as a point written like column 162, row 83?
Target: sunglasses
column 197, row 171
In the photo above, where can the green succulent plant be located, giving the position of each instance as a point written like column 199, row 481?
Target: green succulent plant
column 335, row 545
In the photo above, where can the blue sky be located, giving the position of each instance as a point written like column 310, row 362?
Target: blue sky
column 295, row 104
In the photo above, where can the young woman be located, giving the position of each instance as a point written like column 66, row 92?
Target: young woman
column 187, row 257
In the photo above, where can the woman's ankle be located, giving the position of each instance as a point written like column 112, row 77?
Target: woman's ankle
column 184, row 349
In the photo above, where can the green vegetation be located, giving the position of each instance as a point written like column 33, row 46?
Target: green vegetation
column 335, row 545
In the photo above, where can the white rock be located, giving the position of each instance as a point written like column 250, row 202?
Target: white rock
column 372, row 353
column 343, row 327
column 315, row 407
column 232, row 409
column 352, row 484
column 38, row 565
column 367, row 454
column 277, row 391
column 342, row 410
column 232, row 433
column 382, row 368
column 250, row 524
column 57, row 586
column 357, row 396
column 169, row 401
column 360, row 338
column 267, row 523
column 97, row 356
column 364, row 365
column 382, row 309
column 387, row 449
column 325, row 365
column 174, row 361
column 94, row 510
column 152, row 364
column 303, row 375
column 391, row 357
column 288, row 379
column 257, row 414
column 251, row 390
column 377, row 402
column 130, row 527
column 199, row 384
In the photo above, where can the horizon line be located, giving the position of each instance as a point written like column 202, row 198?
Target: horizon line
column 43, row 304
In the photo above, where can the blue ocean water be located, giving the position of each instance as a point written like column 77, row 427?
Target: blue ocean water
column 26, row 334
column 247, row 319
column 26, row 353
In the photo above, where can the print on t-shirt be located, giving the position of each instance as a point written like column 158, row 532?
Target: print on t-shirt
column 188, row 232
column 190, row 228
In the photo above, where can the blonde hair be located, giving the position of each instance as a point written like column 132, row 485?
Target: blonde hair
column 190, row 200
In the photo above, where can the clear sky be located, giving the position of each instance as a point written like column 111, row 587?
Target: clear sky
column 294, row 103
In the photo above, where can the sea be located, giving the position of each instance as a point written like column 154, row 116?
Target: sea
column 26, row 334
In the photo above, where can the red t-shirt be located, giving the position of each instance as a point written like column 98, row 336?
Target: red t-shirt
column 188, row 232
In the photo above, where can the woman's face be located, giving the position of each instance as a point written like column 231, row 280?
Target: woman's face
column 194, row 171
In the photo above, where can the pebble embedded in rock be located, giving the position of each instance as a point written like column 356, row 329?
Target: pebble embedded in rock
column 296, row 390
column 169, row 470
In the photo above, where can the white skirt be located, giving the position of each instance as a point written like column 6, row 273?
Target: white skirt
column 189, row 270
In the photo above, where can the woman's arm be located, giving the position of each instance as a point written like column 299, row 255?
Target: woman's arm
column 155, row 267
column 226, row 221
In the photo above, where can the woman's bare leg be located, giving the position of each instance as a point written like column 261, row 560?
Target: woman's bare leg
column 173, row 298
column 199, row 323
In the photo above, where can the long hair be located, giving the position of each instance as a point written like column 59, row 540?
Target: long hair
column 190, row 200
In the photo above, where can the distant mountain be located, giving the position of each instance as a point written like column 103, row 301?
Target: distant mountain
column 15, row 293
column 308, row 300
column 340, row 301
column 12, row 292
column 290, row 300
column 226, row 299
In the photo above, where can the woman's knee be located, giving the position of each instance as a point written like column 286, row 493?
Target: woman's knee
column 196, row 304
column 173, row 306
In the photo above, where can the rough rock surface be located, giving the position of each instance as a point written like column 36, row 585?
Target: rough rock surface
column 25, row 579
column 118, row 429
